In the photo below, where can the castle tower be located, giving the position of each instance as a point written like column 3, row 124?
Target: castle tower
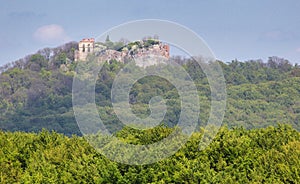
column 85, row 46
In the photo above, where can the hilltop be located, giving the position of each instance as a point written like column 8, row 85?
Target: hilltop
column 35, row 92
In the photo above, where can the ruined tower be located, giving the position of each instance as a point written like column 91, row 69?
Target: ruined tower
column 85, row 46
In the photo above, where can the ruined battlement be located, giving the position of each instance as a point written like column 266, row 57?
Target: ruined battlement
column 136, row 49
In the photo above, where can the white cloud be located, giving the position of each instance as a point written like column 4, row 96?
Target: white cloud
column 51, row 34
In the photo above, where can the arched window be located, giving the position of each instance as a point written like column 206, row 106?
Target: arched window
column 89, row 49
column 83, row 48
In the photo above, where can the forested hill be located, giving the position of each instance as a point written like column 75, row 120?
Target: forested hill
column 35, row 92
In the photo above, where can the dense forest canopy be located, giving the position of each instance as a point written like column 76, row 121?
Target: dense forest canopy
column 268, row 155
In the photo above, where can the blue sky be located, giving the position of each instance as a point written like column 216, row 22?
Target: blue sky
column 233, row 29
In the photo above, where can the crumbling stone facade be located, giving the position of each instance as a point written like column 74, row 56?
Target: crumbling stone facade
column 88, row 46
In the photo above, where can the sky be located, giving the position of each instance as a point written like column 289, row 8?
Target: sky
column 233, row 29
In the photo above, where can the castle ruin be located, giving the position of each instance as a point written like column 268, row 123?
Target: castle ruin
column 88, row 46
